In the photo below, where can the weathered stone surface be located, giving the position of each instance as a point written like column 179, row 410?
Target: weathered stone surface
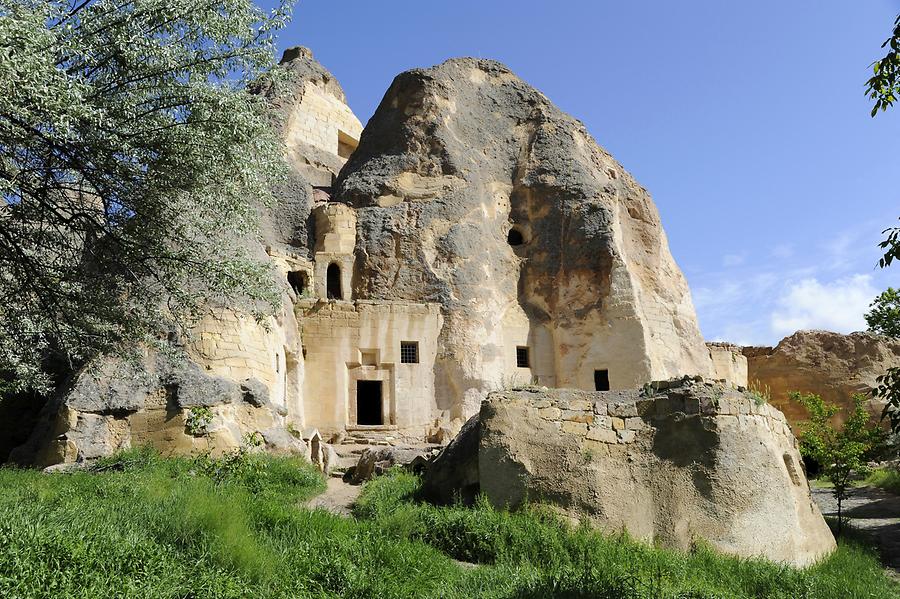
column 280, row 442
column 457, row 156
column 115, row 404
column 828, row 364
column 735, row 481
column 254, row 392
column 729, row 363
column 190, row 387
column 111, row 387
column 454, row 471
column 374, row 462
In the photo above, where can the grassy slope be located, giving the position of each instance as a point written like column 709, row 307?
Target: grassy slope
column 885, row 478
column 182, row 528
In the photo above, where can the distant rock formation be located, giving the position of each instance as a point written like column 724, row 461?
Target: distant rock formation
column 680, row 462
column 831, row 365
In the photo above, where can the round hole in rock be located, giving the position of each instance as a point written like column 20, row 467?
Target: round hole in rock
column 515, row 238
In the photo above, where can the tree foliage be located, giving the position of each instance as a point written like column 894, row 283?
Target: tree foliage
column 883, row 316
column 884, row 88
column 884, row 85
column 842, row 453
column 884, row 319
column 131, row 162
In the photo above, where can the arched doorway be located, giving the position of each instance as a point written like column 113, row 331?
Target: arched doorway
column 333, row 282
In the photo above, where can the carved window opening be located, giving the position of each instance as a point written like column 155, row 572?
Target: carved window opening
column 522, row 357
column 369, row 403
column 299, row 282
column 409, row 352
column 601, row 380
column 333, row 282
column 515, row 237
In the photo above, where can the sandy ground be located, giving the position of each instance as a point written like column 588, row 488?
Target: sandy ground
column 338, row 498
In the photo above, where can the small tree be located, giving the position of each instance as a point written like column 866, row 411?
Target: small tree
column 842, row 453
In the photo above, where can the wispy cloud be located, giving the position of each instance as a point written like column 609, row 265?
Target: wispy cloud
column 837, row 305
column 783, row 251
column 731, row 260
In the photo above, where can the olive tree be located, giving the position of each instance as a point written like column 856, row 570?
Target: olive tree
column 132, row 160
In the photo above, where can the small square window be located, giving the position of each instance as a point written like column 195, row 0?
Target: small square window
column 409, row 352
column 522, row 357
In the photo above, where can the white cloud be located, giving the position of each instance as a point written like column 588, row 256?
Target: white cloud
column 730, row 260
column 837, row 306
column 783, row 251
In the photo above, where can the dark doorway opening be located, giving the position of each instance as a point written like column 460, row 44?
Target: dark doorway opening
column 368, row 403
column 601, row 380
column 333, row 282
column 515, row 237
column 298, row 281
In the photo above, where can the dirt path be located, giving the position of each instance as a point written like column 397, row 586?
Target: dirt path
column 338, row 498
column 874, row 512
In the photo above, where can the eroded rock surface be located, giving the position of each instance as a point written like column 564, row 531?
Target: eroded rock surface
column 683, row 461
column 114, row 405
column 831, row 365
column 474, row 191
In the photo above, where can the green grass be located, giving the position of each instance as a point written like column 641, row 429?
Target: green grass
column 143, row 526
column 885, row 478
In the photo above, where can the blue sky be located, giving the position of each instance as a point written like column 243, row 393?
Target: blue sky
column 746, row 121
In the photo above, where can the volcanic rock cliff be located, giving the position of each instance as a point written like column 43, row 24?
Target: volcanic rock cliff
column 474, row 191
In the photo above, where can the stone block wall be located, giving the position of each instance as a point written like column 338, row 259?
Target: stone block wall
column 238, row 348
column 346, row 342
column 319, row 119
column 729, row 363
column 621, row 416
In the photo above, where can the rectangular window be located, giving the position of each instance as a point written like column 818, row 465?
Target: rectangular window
column 522, row 357
column 409, row 352
column 601, row 380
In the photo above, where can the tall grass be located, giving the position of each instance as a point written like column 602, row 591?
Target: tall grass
column 143, row 526
column 885, row 478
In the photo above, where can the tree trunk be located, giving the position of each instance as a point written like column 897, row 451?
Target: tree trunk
column 840, row 527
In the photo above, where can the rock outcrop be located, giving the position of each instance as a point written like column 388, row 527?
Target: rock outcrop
column 679, row 462
column 474, row 191
column 475, row 238
column 249, row 374
column 831, row 365
column 166, row 402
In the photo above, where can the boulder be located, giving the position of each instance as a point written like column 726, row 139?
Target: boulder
column 374, row 462
column 694, row 462
column 279, row 441
column 831, row 365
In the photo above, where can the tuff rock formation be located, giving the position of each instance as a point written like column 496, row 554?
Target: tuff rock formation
column 477, row 237
column 168, row 403
column 828, row 364
column 474, row 191
column 248, row 374
column 681, row 461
